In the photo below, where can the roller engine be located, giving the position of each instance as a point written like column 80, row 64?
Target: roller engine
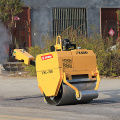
column 65, row 75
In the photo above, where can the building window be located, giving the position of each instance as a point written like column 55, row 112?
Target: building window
column 66, row 19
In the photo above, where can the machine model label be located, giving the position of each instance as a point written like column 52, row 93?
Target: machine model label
column 47, row 72
column 45, row 57
column 82, row 52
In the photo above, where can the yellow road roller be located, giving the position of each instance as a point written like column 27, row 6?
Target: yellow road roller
column 66, row 75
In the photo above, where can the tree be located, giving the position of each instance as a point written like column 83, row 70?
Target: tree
column 9, row 9
column 8, row 12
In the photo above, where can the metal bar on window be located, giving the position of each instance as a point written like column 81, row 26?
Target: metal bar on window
column 64, row 18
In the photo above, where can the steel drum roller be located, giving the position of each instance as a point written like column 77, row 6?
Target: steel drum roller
column 66, row 94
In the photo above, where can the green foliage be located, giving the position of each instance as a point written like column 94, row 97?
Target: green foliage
column 108, row 59
column 31, row 70
column 39, row 50
column 33, row 51
column 9, row 9
column 118, row 13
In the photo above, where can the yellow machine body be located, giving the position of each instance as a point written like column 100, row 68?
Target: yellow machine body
column 48, row 74
column 74, row 62
column 66, row 75
column 21, row 54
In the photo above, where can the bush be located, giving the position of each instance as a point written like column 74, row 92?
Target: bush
column 108, row 59
column 34, row 51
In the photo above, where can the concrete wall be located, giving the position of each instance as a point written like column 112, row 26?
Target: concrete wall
column 41, row 14
column 5, row 40
column 41, row 18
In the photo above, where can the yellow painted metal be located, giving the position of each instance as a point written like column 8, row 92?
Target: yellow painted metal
column 58, row 46
column 47, row 61
column 21, row 54
column 50, row 68
column 49, row 82
column 48, row 73
column 54, row 67
column 84, row 60
column 76, row 62
column 73, row 87
column 98, row 80
column 60, row 81
column 65, row 60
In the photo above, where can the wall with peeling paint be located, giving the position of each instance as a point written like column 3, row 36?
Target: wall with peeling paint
column 41, row 14
column 5, row 41
column 41, row 18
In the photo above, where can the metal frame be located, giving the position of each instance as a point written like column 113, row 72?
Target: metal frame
column 65, row 19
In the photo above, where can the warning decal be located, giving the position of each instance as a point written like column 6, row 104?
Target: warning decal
column 45, row 57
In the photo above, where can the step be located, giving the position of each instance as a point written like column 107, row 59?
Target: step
column 13, row 66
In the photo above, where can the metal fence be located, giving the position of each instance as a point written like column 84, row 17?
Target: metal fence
column 69, row 18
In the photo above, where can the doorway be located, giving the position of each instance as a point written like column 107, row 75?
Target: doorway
column 22, row 31
column 109, row 21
